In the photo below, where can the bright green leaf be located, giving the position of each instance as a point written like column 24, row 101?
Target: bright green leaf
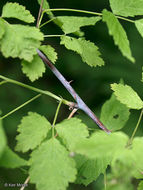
column 2, row 139
column 71, row 131
column 140, row 186
column 10, row 159
column 118, row 33
column 52, row 161
column 86, row 49
column 127, row 7
column 101, row 144
column 139, row 25
column 72, row 24
column 34, row 69
column 2, row 28
column 126, row 95
column 20, row 41
column 89, row 170
column 114, row 114
column 14, row 10
column 49, row 51
column 33, row 129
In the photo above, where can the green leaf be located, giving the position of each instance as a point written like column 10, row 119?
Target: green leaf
column 86, row 49
column 46, row 6
column 10, row 159
column 52, row 161
column 114, row 114
column 89, row 170
column 119, row 35
column 72, row 24
column 139, row 25
column 2, row 28
column 3, row 140
column 20, row 41
column 71, row 131
column 126, row 95
column 49, row 51
column 101, row 144
column 140, row 186
column 33, row 129
column 34, row 69
column 14, row 10
column 127, row 7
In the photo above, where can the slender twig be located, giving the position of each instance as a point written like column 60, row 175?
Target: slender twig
column 19, row 107
column 47, row 22
column 80, row 103
column 66, row 102
column 54, row 35
column 72, row 113
column 134, row 132
column 39, row 14
column 3, row 82
column 25, row 183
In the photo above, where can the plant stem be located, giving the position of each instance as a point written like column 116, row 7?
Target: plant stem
column 80, row 103
column 137, row 125
column 55, row 118
column 66, row 102
column 19, row 107
column 3, row 82
column 39, row 14
column 83, row 11
column 47, row 22
column 49, row 36
column 26, row 182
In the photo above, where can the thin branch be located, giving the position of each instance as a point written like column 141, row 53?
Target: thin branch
column 25, row 183
column 80, row 103
column 72, row 113
column 66, row 102
column 21, row 106
column 39, row 14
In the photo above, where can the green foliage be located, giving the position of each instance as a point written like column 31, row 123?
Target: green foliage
column 72, row 24
column 114, row 114
column 2, row 139
column 126, row 95
column 2, row 28
column 127, row 7
column 34, row 124
column 14, row 10
column 51, row 160
column 20, row 41
column 140, row 187
column 139, row 25
column 101, row 144
column 10, row 159
column 86, row 49
column 118, row 33
column 89, row 169
column 72, row 131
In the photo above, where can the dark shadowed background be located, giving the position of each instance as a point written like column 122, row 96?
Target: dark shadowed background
column 92, row 84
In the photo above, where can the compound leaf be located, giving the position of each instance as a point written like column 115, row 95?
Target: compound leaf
column 126, row 95
column 33, row 129
column 86, row 49
column 118, row 33
column 101, row 144
column 114, row 114
column 88, row 169
column 10, row 159
column 72, row 24
column 71, row 131
column 127, row 7
column 20, row 41
column 139, row 26
column 51, row 159
column 14, row 10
